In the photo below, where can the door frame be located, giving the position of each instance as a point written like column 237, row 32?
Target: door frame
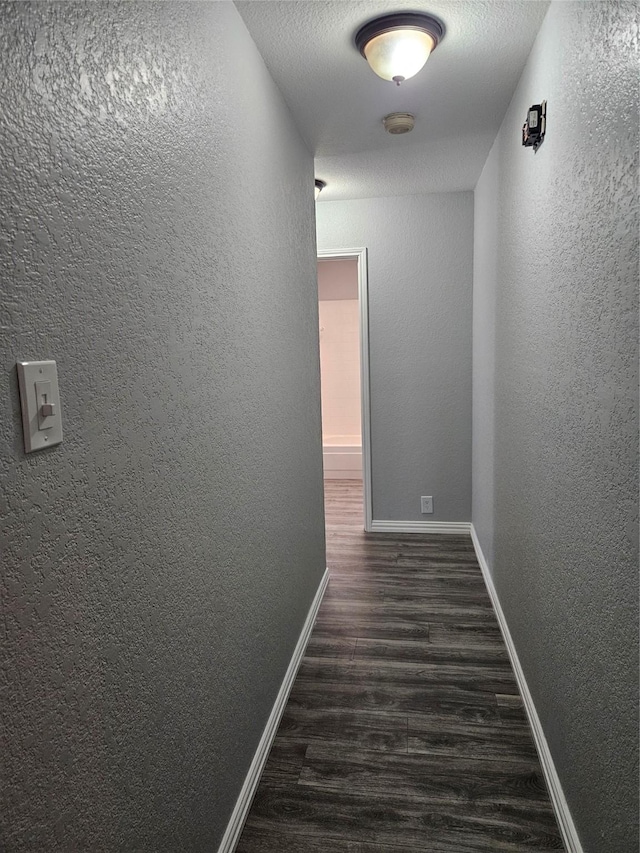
column 360, row 255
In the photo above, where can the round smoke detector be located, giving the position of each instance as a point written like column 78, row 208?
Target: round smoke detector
column 399, row 122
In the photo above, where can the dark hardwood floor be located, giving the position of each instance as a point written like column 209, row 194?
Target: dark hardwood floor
column 404, row 730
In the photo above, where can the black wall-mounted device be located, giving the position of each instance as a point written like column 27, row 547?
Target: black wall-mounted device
column 535, row 126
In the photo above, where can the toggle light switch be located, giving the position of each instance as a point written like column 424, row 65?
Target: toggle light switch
column 45, row 405
column 40, row 402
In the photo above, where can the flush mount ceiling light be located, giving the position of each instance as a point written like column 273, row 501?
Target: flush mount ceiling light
column 397, row 46
column 320, row 185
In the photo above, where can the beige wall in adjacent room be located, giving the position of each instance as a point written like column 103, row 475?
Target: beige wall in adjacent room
column 339, row 350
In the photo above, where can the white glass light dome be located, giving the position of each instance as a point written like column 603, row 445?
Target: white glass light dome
column 397, row 46
column 398, row 54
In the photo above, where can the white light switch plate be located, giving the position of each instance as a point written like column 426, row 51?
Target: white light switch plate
column 38, row 382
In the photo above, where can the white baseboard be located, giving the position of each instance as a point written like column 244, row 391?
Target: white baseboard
column 243, row 803
column 558, row 800
column 333, row 460
column 420, row 527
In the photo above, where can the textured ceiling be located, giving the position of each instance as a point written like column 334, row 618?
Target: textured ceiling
column 459, row 98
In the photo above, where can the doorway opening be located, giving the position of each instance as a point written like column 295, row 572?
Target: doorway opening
column 343, row 309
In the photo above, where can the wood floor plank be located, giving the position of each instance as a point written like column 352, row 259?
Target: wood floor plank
column 347, row 548
column 404, row 731
column 473, row 705
column 475, row 782
column 418, row 651
column 391, row 819
column 407, row 674
column 400, row 585
column 283, row 840
column 332, row 625
column 285, row 761
column 332, row 647
column 464, row 634
column 370, row 731
column 431, row 610
column 258, row 841
column 416, row 593
column 437, row 734
column 511, row 707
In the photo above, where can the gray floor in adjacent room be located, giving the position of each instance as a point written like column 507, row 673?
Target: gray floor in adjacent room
column 404, row 730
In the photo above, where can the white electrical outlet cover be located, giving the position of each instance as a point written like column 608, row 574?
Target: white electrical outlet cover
column 426, row 504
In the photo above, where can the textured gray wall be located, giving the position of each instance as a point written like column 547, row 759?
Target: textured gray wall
column 486, row 207
column 157, row 567
column 559, row 260
column 420, row 283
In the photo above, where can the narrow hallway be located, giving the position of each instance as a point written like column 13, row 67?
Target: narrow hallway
column 404, row 730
